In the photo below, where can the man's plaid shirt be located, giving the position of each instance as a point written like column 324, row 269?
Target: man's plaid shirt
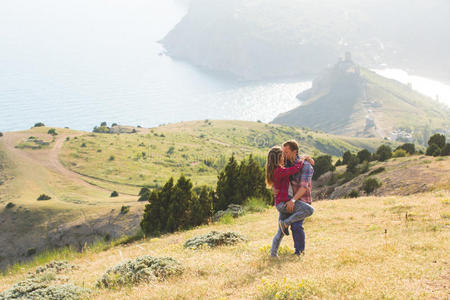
column 301, row 179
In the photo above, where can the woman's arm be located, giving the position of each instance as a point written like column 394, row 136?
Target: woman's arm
column 283, row 172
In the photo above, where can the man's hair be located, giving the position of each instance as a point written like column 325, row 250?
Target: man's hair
column 292, row 144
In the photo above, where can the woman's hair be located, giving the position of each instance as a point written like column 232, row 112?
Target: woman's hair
column 272, row 162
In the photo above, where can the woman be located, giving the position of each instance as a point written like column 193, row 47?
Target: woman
column 277, row 176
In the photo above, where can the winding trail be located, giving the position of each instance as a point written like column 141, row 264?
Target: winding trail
column 48, row 158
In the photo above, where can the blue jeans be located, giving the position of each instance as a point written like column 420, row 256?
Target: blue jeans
column 301, row 211
column 298, row 235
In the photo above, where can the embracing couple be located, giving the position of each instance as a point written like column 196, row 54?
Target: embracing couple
column 289, row 175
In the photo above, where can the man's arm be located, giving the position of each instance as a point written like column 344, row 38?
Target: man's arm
column 305, row 179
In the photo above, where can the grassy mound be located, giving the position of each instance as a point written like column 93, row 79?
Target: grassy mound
column 144, row 268
column 214, row 239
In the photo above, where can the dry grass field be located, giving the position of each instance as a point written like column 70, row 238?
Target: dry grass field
column 363, row 248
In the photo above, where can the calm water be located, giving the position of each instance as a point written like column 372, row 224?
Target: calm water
column 77, row 63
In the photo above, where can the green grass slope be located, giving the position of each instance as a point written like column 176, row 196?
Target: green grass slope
column 199, row 149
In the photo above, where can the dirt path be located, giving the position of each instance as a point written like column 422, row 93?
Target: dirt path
column 48, row 158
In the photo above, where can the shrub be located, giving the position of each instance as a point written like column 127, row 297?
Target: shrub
column 99, row 150
column 364, row 167
column 445, row 151
column 171, row 150
column 345, row 157
column 114, row 194
column 124, row 209
column 55, row 266
column 67, row 138
column 31, row 251
column 384, row 152
column 214, row 239
column 399, row 153
column 37, row 285
column 370, row 185
column 322, row 165
column 10, row 205
column 40, row 289
column 144, row 194
column 1, row 134
column 377, row 170
column 364, row 155
column 353, row 194
column 52, row 131
column 408, row 147
column 142, row 269
column 352, row 162
column 112, row 157
column 39, row 124
column 338, row 163
column 103, row 124
column 433, row 150
column 44, row 197
column 83, row 145
column 437, row 139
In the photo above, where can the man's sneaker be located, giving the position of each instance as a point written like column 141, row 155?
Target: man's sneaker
column 284, row 229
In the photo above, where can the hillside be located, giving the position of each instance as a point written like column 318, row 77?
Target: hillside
column 400, row 176
column 365, row 248
column 260, row 39
column 199, row 149
column 350, row 100
column 79, row 179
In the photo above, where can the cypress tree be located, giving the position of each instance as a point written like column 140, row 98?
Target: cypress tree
column 228, row 188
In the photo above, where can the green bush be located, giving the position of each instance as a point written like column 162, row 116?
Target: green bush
column 438, row 139
column 353, row 194
column 1, row 134
column 52, row 131
column 384, row 152
column 345, row 157
column 214, row 239
column 114, row 194
column 124, row 209
column 363, row 167
column 142, row 269
column 433, row 150
column 10, row 205
column 39, row 124
column 364, row 155
column 408, row 147
column 144, row 194
column 37, row 285
column 370, row 185
column 352, row 163
column 112, row 157
column 322, row 165
column 44, row 197
column 399, row 153
column 83, row 145
column 445, row 151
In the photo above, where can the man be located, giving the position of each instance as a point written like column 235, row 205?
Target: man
column 299, row 190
